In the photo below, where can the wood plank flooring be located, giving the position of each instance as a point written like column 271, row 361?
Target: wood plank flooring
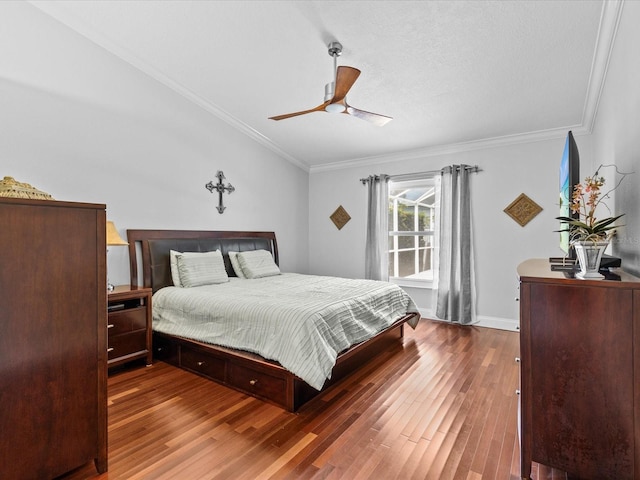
column 442, row 406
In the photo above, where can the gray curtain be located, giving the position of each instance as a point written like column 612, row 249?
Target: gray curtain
column 455, row 288
column 376, row 249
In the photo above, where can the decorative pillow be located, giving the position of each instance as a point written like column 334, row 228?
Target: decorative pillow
column 257, row 264
column 175, row 274
column 201, row 269
column 173, row 255
column 233, row 256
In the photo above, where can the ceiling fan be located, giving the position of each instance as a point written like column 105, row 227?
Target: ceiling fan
column 335, row 93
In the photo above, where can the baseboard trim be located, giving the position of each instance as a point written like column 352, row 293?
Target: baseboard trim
column 483, row 321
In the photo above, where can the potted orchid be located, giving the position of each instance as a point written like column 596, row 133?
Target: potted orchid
column 590, row 235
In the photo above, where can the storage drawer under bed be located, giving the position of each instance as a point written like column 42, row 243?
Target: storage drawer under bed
column 254, row 381
column 202, row 363
column 257, row 383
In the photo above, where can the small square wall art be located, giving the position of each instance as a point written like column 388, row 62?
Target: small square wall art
column 523, row 209
column 340, row 217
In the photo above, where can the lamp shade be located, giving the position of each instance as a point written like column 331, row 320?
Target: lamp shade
column 113, row 237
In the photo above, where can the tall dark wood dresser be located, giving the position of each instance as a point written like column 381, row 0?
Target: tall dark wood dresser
column 579, row 373
column 53, row 355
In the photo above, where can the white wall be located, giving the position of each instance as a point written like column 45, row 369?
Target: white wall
column 82, row 125
column 500, row 243
column 616, row 136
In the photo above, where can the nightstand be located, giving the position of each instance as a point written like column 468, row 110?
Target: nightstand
column 129, row 325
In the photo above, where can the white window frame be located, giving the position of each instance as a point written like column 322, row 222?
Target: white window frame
column 394, row 233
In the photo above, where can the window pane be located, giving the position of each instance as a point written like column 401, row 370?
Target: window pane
column 411, row 210
column 424, row 217
column 405, row 242
column 407, row 266
column 409, row 202
column 405, row 218
column 425, row 259
column 406, row 261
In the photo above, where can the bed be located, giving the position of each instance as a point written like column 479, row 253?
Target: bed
column 244, row 368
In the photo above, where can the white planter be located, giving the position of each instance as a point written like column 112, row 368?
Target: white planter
column 589, row 254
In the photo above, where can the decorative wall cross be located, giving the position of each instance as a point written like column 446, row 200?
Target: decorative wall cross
column 220, row 188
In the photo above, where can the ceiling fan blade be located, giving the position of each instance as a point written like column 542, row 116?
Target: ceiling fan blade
column 319, row 108
column 374, row 118
column 345, row 78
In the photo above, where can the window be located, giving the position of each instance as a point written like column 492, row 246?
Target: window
column 412, row 210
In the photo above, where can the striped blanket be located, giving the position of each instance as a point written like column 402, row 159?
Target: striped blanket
column 300, row 321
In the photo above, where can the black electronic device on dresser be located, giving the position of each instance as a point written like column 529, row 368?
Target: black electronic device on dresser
column 129, row 325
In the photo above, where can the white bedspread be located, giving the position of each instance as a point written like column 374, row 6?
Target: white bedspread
column 300, row 321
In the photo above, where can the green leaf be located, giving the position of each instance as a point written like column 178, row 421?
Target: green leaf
column 605, row 222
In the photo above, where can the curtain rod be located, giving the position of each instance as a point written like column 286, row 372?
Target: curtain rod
column 411, row 176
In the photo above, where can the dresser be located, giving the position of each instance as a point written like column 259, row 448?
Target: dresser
column 53, row 357
column 579, row 373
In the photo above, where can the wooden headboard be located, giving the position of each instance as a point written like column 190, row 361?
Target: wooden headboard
column 153, row 246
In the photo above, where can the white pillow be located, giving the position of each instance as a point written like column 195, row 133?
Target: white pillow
column 201, row 269
column 233, row 256
column 175, row 274
column 257, row 264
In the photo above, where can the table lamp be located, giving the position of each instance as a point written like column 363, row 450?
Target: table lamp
column 113, row 240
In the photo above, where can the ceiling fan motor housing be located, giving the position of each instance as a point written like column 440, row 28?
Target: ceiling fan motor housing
column 335, row 49
column 329, row 89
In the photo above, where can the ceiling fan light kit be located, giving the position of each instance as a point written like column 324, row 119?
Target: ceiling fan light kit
column 335, row 108
column 335, row 93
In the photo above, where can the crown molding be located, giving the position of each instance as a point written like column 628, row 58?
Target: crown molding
column 448, row 149
column 607, row 31
column 71, row 21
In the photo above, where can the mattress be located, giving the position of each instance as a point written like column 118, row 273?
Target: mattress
column 301, row 321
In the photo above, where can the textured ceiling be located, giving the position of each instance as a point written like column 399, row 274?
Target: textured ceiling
column 448, row 72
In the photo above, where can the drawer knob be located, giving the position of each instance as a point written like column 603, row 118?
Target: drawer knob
column 110, row 349
column 110, row 325
column 253, row 382
column 517, row 359
column 517, row 392
column 200, row 364
column 158, row 349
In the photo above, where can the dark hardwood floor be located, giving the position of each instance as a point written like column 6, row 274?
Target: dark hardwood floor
column 441, row 407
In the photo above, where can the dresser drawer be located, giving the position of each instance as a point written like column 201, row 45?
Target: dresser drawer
column 127, row 343
column 128, row 320
column 258, row 383
column 202, row 363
